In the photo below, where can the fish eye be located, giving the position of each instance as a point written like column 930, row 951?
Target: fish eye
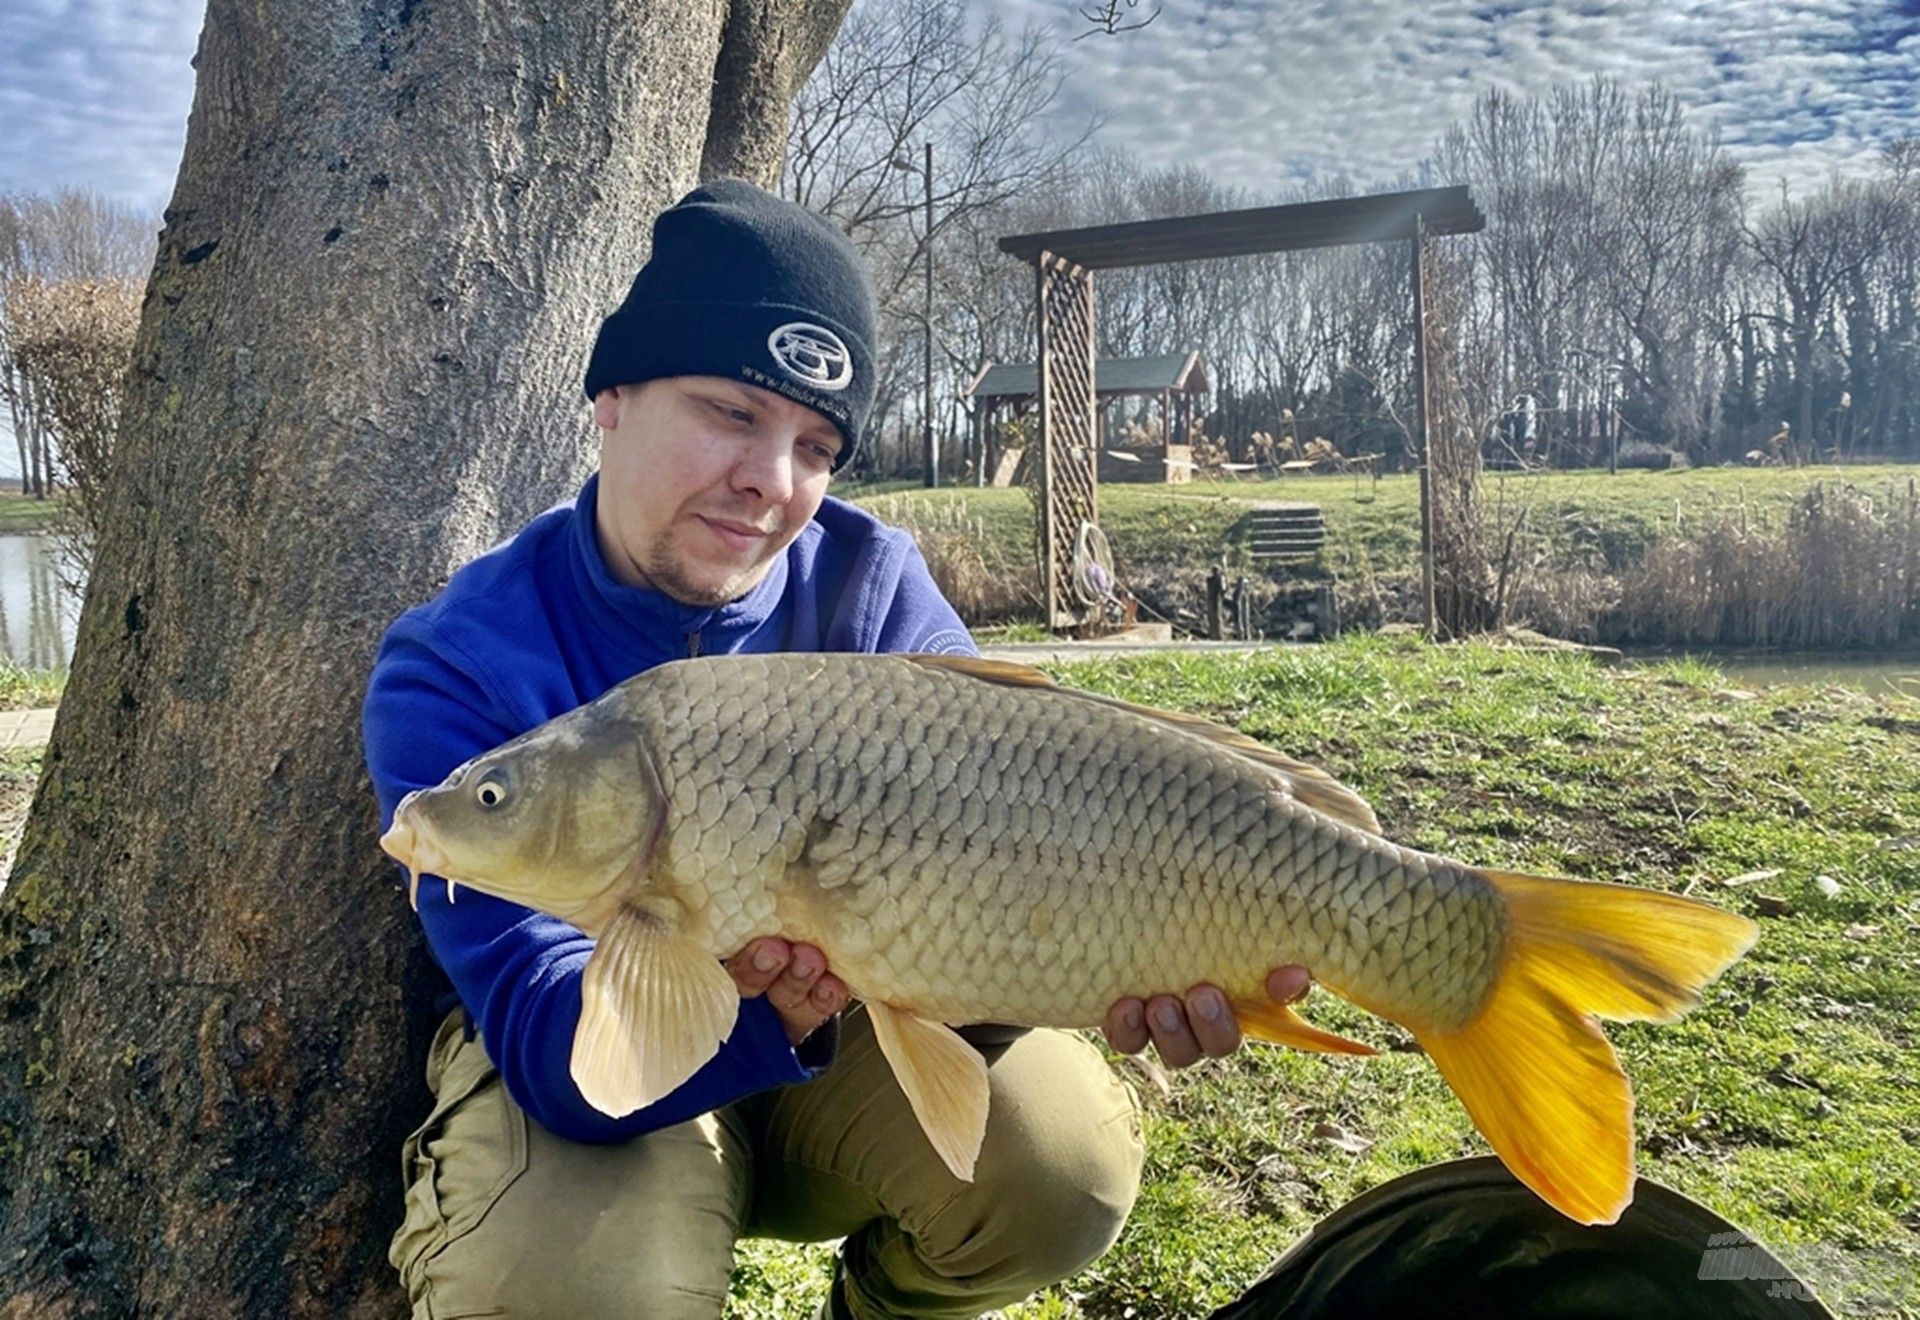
column 491, row 791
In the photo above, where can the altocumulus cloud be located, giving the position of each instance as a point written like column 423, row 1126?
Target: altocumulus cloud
column 94, row 94
column 1268, row 93
column 1260, row 93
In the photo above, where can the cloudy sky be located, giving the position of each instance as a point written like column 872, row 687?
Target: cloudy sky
column 1286, row 89
column 1262, row 93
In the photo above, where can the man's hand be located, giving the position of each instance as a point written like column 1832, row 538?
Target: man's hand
column 1201, row 1024
column 795, row 980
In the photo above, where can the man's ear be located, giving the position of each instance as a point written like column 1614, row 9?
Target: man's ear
column 606, row 408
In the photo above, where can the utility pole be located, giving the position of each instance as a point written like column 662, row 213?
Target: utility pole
column 929, row 446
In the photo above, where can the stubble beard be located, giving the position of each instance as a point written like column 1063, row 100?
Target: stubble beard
column 666, row 571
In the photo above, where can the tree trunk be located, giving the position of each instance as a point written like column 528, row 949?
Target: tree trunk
column 17, row 415
column 34, row 475
column 1801, row 440
column 395, row 228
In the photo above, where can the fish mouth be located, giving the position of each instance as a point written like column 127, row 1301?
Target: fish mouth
column 403, row 843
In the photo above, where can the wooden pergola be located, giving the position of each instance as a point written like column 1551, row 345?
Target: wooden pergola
column 1064, row 261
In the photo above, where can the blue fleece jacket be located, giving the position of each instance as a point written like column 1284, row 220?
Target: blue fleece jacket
column 538, row 626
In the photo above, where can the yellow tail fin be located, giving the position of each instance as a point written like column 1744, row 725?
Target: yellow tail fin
column 1535, row 1073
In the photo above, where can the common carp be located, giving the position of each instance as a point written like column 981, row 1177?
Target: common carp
column 968, row 842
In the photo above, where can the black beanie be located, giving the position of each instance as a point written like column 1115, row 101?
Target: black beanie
column 749, row 286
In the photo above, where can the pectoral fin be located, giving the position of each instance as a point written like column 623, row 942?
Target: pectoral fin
column 654, row 1007
column 1278, row 1024
column 945, row 1080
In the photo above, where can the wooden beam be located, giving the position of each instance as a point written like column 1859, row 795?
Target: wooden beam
column 1422, row 422
column 1381, row 217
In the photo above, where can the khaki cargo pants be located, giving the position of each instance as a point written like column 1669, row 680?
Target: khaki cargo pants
column 506, row 1219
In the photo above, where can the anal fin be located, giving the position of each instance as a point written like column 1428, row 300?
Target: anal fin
column 945, row 1080
column 654, row 1007
column 1278, row 1024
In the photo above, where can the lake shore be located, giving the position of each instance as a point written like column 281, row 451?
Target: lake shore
column 21, row 514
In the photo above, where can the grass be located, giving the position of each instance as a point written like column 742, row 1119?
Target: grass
column 28, row 689
column 22, row 513
column 1787, row 1102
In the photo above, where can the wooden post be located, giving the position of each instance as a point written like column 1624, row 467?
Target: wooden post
column 1216, row 589
column 1045, row 513
column 982, row 410
column 1424, row 423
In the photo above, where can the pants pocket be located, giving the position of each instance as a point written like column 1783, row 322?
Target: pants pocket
column 461, row 1160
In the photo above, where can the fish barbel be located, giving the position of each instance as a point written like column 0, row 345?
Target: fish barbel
column 965, row 842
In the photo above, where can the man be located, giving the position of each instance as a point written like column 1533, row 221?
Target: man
column 731, row 383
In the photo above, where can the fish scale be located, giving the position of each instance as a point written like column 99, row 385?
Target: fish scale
column 1250, row 845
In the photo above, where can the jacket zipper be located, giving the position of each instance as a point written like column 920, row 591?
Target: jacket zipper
column 693, row 644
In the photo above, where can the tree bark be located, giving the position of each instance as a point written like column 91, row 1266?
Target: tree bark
column 768, row 49
column 394, row 230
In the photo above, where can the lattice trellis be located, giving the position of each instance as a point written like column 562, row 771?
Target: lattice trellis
column 1068, row 473
column 1465, row 590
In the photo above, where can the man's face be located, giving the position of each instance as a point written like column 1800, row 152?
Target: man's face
column 704, row 481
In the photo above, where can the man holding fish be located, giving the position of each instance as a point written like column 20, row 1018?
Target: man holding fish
column 731, row 383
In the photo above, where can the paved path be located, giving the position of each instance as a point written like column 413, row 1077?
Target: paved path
column 26, row 728
column 1028, row 653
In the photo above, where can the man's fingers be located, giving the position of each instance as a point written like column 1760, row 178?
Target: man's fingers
column 828, row 996
column 1172, row 1035
column 759, row 965
column 1286, row 984
column 1215, row 1028
column 1126, row 1026
column 797, row 980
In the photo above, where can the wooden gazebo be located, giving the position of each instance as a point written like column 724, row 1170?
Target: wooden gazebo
column 1177, row 381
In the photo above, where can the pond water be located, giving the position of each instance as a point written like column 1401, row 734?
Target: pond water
column 38, row 613
column 1872, row 671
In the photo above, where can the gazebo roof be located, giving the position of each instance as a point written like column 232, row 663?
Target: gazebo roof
column 1181, row 373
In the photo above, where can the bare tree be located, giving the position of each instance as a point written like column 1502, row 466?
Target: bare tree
column 1672, row 202
column 1114, row 17
column 358, row 364
column 73, row 235
column 901, row 76
column 1813, row 248
column 70, row 342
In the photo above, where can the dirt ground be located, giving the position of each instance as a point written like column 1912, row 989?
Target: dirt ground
column 19, row 771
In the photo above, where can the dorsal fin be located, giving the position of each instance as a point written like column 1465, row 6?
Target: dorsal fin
column 1004, row 672
column 1310, row 785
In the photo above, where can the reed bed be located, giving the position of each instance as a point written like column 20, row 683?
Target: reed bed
column 963, row 558
column 1838, row 567
column 1837, row 571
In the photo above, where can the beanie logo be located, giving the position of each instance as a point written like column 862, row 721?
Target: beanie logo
column 812, row 355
